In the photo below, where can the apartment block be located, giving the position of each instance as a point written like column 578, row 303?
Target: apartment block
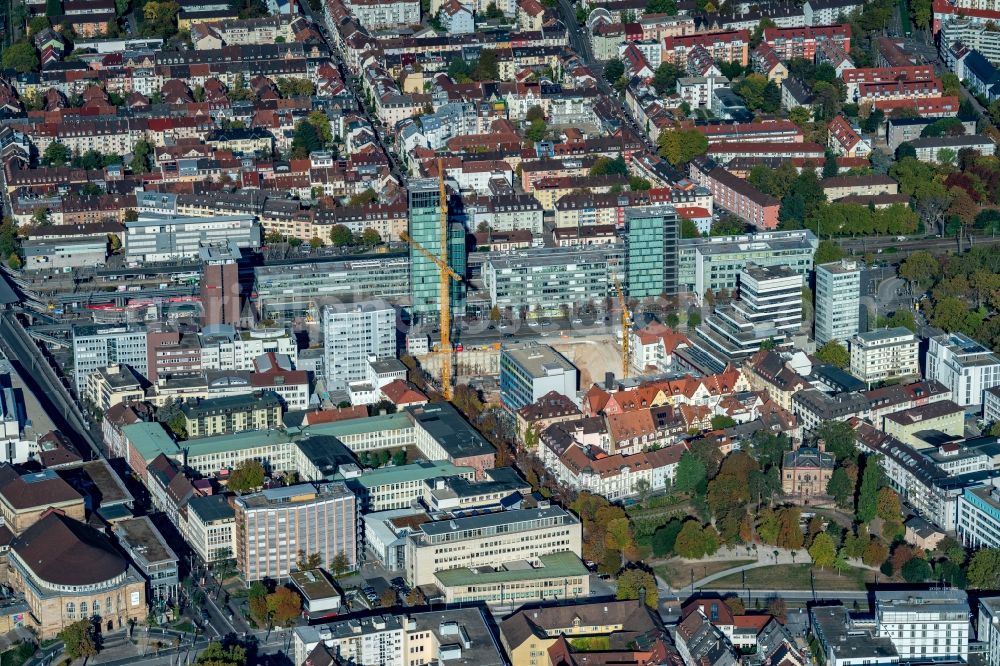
column 733, row 46
column 872, row 93
column 885, row 355
column 375, row 15
column 791, row 43
column 116, row 384
column 839, row 187
column 219, row 416
column 929, row 148
column 991, row 405
column 974, row 33
column 901, row 130
column 489, row 540
column 825, row 12
column 918, row 481
column 864, row 75
column 272, row 526
column 725, row 152
column 736, row 195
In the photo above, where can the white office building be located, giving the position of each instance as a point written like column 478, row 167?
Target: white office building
column 715, row 263
column 490, row 539
column 988, row 629
column 769, row 307
column 978, row 523
column 838, row 297
column 991, row 405
column 223, row 347
column 169, row 238
column 964, row 366
column 884, row 355
column 529, row 370
column 925, row 625
column 353, row 332
column 98, row 346
column 844, row 642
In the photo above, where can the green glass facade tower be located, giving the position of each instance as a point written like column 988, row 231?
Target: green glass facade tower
column 651, row 240
column 425, row 228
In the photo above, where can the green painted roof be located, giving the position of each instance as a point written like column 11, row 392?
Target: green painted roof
column 557, row 565
column 418, row 471
column 397, row 421
column 151, row 439
column 235, row 442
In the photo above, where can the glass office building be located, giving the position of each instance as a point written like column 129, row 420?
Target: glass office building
column 425, row 228
column 651, row 235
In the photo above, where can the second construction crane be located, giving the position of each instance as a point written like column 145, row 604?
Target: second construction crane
column 446, row 274
column 626, row 325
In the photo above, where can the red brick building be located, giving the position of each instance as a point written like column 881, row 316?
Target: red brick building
column 736, row 195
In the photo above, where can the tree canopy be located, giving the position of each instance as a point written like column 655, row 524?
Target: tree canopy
column 217, row 654
column 632, row 580
column 79, row 639
column 834, row 353
column 678, row 146
column 248, row 475
column 20, row 56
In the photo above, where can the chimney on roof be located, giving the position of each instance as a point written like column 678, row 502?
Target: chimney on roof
column 609, row 381
column 821, row 444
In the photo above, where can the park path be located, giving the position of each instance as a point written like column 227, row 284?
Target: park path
column 766, row 557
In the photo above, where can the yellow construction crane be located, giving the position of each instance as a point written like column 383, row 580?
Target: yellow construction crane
column 626, row 324
column 446, row 274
